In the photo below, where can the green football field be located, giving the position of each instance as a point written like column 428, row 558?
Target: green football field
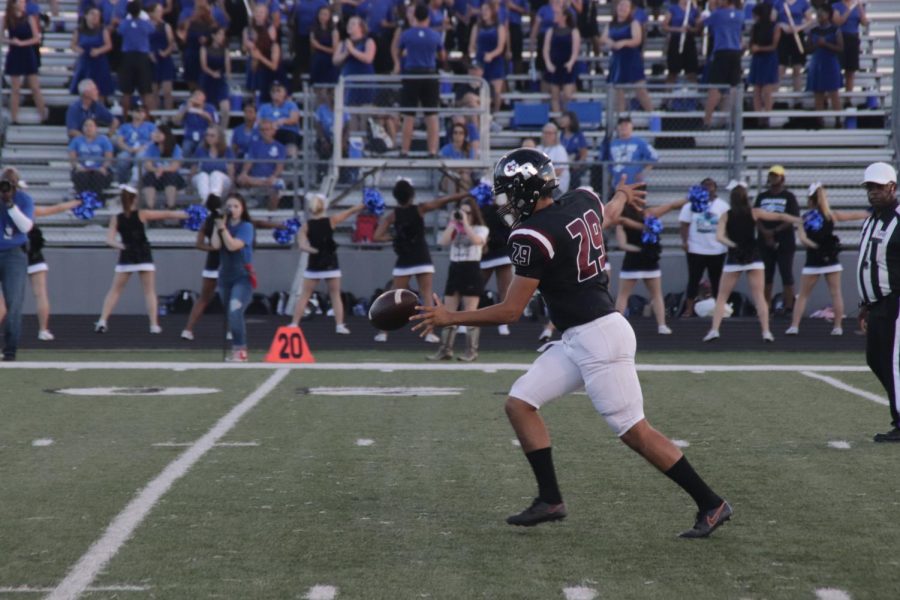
column 358, row 480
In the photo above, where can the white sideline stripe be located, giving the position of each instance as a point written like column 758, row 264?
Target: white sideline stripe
column 381, row 366
column 364, row 442
column 579, row 593
column 321, row 592
column 831, row 594
column 25, row 589
column 219, row 445
column 101, row 552
column 839, row 444
column 847, row 388
column 386, row 391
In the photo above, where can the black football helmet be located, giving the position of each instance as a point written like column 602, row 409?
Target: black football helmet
column 521, row 178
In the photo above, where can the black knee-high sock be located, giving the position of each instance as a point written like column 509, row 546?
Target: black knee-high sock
column 541, row 462
column 684, row 475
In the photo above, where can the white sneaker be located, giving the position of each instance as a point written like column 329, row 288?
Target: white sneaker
column 546, row 334
column 768, row 337
column 432, row 339
column 155, row 329
column 237, row 356
column 100, row 326
column 663, row 330
column 187, row 335
column 712, row 335
column 341, row 329
column 503, row 329
column 381, row 337
column 228, row 336
column 792, row 331
column 45, row 336
column 837, row 331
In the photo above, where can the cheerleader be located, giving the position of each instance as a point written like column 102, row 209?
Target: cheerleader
column 134, row 255
column 316, row 237
column 737, row 230
column 488, row 44
column 560, row 48
column 92, row 43
column 215, row 64
column 410, row 245
column 210, row 274
column 823, row 76
column 162, row 46
column 495, row 259
column 22, row 37
column 637, row 232
column 466, row 234
column 822, row 250
column 624, row 36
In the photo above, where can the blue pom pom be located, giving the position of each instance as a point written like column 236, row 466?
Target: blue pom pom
column 652, row 228
column 286, row 233
column 197, row 215
column 373, row 201
column 483, row 194
column 699, row 199
column 90, row 202
column 813, row 220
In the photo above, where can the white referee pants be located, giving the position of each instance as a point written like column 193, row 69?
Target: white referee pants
column 211, row 183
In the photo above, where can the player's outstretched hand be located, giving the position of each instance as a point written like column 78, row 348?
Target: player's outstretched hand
column 635, row 193
column 430, row 317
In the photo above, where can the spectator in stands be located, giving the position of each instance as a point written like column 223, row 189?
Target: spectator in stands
column 457, row 148
column 305, row 18
column 246, row 133
column 633, row 156
column 324, row 123
column 849, row 15
column 135, row 70
column 162, row 45
column 22, row 36
column 551, row 147
column 439, row 18
column 88, row 107
column 323, row 40
column 541, row 21
column 215, row 66
column 624, row 36
column 561, row 46
column 726, row 25
column 17, row 217
column 234, row 238
column 92, row 43
column 573, row 140
column 488, row 45
column 285, row 114
column 682, row 23
column 261, row 44
column 195, row 115
column 464, row 13
column 381, row 24
column 214, row 172
column 135, row 256
column 355, row 56
column 822, row 250
column 516, row 9
column 91, row 157
column 823, row 77
column 195, row 25
column 420, row 48
column 791, row 52
column 264, row 164
column 162, row 160
column 765, row 37
column 131, row 140
column 698, row 222
column 777, row 243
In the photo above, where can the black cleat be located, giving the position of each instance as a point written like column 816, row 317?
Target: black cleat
column 708, row 521
column 538, row 512
column 891, row 436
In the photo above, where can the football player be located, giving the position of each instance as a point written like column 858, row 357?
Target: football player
column 557, row 247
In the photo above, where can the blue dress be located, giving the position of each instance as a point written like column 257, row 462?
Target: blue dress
column 358, row 95
column 21, row 60
column 164, row 67
column 763, row 65
column 321, row 68
column 560, row 52
column 824, row 71
column 626, row 64
column 215, row 89
column 487, row 42
column 96, row 67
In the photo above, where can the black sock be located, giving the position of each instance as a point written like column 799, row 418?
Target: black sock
column 542, row 464
column 684, row 475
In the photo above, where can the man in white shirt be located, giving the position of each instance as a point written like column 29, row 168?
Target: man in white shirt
column 557, row 152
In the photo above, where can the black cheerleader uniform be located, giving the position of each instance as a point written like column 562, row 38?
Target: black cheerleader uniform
column 323, row 264
column 741, row 229
column 136, row 256
column 495, row 252
column 643, row 264
column 823, row 259
column 35, row 251
column 213, row 257
column 413, row 257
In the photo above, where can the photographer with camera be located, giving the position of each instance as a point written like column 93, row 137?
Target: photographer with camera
column 16, row 220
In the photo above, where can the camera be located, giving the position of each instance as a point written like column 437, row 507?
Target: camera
column 5, row 186
column 216, row 213
column 457, row 214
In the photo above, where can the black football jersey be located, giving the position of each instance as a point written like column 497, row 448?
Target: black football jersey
column 562, row 246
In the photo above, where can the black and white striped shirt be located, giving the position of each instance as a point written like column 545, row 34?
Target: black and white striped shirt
column 878, row 266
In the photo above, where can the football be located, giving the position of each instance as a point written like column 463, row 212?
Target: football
column 392, row 309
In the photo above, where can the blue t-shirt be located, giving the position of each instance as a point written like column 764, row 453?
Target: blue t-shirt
column 325, row 117
column 270, row 112
column 195, row 125
column 634, row 149
column 573, row 143
column 152, row 152
column 676, row 15
column 136, row 136
column 241, row 139
column 136, row 35
column 379, row 10
column 514, row 17
column 305, row 14
column 641, row 16
column 232, row 264
column 798, row 10
column 91, row 153
column 422, row 46
column 261, row 150
column 32, row 9
column 448, row 151
column 10, row 235
column 209, row 164
column 727, row 27
column 76, row 115
column 851, row 25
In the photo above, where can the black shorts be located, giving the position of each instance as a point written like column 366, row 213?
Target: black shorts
column 464, row 279
column 420, row 92
column 726, row 68
column 788, row 52
column 686, row 61
column 850, row 57
column 781, row 256
column 516, row 41
column 168, row 179
column 288, row 137
column 135, row 73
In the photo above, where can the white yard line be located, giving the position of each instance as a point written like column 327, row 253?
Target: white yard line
column 579, row 592
column 321, row 592
column 219, row 445
column 845, row 387
column 26, row 589
column 101, row 552
column 831, row 594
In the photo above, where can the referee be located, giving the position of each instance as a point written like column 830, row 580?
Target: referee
column 878, row 281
